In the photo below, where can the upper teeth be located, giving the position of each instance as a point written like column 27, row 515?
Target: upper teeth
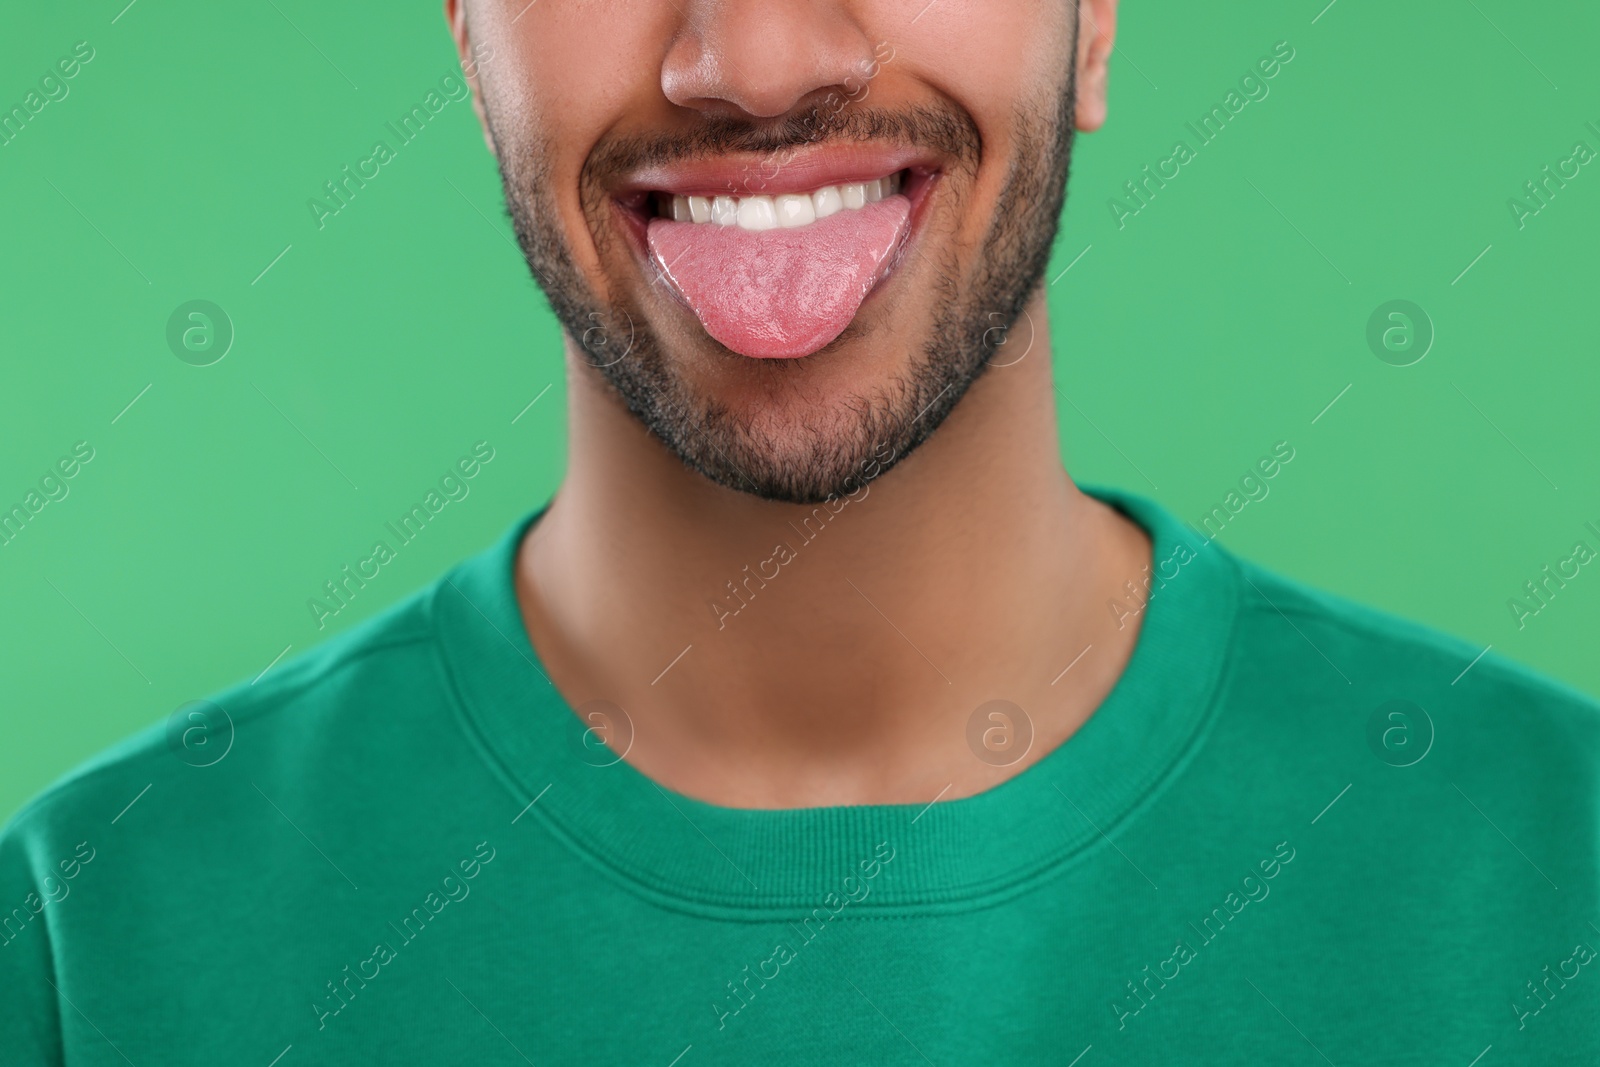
column 787, row 210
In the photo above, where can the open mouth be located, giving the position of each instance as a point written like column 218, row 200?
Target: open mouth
column 779, row 274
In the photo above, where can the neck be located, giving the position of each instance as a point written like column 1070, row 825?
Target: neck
column 780, row 655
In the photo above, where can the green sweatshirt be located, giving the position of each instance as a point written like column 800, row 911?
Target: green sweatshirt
column 1296, row 832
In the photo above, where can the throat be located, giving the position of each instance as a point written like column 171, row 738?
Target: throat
column 779, row 656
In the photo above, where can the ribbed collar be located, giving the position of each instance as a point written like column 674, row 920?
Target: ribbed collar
column 749, row 864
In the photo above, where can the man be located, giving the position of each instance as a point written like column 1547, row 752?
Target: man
column 821, row 718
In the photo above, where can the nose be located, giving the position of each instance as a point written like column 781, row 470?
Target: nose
column 762, row 58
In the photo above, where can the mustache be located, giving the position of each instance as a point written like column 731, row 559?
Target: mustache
column 942, row 128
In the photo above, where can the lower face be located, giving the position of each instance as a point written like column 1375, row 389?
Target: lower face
column 788, row 302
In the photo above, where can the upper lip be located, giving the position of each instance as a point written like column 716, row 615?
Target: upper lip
column 797, row 169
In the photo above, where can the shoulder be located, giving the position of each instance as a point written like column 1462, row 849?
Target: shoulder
column 1325, row 643
column 310, row 701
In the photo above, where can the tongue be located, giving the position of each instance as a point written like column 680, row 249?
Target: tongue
column 776, row 294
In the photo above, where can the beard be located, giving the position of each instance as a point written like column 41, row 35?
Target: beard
column 830, row 450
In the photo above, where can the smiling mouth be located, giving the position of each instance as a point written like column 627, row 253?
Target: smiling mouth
column 778, row 275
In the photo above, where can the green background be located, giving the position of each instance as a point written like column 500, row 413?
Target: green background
column 1222, row 318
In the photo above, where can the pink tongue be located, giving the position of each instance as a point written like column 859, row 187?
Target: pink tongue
column 775, row 294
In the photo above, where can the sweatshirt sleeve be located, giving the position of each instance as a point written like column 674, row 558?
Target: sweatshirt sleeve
column 30, row 1021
